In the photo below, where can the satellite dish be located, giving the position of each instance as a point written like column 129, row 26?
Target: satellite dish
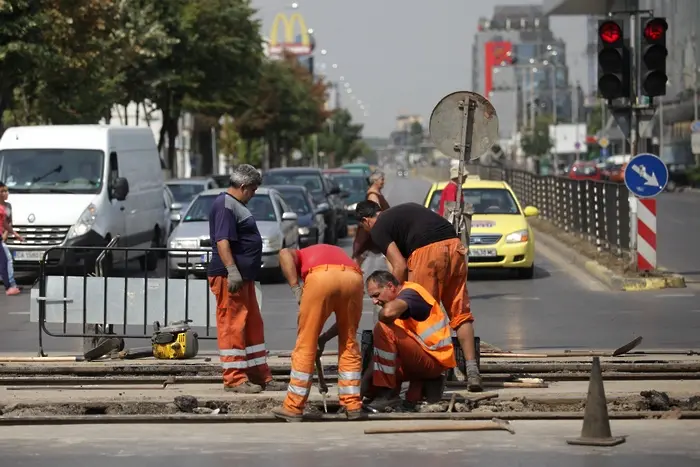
column 448, row 124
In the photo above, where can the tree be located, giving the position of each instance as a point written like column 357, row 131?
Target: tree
column 415, row 136
column 536, row 142
column 286, row 106
column 341, row 139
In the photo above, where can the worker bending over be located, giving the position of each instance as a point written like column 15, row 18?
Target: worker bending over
column 235, row 262
column 423, row 248
column 332, row 283
column 412, row 342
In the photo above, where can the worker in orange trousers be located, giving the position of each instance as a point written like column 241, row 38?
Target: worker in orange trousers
column 332, row 282
column 412, row 342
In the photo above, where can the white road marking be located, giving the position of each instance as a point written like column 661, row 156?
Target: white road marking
column 519, row 298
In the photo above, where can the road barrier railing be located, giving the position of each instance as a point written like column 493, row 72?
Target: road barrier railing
column 597, row 211
column 73, row 302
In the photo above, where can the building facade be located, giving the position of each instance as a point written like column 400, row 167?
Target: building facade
column 520, row 66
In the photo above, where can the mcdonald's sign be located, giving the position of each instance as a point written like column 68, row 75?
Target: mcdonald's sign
column 300, row 45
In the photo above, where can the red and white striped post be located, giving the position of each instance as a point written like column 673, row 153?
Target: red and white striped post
column 646, row 234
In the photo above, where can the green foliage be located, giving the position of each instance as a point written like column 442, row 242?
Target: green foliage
column 536, row 142
column 341, row 139
column 71, row 61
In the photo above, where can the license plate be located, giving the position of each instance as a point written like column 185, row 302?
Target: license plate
column 482, row 252
column 28, row 255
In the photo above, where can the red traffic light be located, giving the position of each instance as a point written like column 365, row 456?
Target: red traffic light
column 655, row 29
column 610, row 32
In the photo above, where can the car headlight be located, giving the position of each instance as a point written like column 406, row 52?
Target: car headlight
column 84, row 223
column 304, row 231
column 184, row 244
column 517, row 237
column 272, row 244
column 351, row 207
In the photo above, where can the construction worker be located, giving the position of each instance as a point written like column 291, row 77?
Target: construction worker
column 449, row 193
column 423, row 248
column 235, row 262
column 332, row 283
column 412, row 342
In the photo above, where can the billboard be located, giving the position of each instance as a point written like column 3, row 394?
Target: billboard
column 300, row 44
column 496, row 52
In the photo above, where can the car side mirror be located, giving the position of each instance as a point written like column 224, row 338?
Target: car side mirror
column 175, row 217
column 335, row 190
column 120, row 189
column 322, row 208
column 290, row 216
column 344, row 194
column 176, row 206
column 531, row 211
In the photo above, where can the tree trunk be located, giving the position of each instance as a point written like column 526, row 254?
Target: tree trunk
column 206, row 164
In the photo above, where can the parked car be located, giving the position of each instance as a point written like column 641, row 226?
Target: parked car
column 361, row 168
column 402, row 172
column 222, row 181
column 312, row 225
column 185, row 189
column 582, row 170
column 356, row 185
column 276, row 221
column 322, row 190
column 501, row 236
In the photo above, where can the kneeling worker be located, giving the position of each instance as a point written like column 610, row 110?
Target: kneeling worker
column 332, row 283
column 412, row 340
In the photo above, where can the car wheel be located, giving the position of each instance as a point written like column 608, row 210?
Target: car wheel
column 526, row 273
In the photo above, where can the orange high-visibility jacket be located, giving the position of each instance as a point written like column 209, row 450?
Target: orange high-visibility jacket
column 434, row 334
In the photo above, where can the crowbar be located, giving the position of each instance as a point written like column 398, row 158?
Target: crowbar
column 322, row 386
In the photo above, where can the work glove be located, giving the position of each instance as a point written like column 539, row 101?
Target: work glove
column 297, row 293
column 235, row 280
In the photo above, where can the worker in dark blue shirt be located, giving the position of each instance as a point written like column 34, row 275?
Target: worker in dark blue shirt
column 235, row 262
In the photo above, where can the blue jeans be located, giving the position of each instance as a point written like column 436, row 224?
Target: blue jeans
column 6, row 266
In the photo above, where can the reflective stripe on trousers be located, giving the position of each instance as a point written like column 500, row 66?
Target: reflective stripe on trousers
column 241, row 364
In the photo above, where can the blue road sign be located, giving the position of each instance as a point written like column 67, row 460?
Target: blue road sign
column 646, row 175
column 604, row 152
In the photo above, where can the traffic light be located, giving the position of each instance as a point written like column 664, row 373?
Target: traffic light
column 613, row 60
column 654, row 53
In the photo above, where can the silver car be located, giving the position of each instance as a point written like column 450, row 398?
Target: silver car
column 276, row 221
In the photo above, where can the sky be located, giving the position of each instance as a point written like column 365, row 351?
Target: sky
column 403, row 56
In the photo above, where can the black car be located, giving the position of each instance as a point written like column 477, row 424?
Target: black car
column 322, row 190
column 312, row 225
column 356, row 185
column 222, row 180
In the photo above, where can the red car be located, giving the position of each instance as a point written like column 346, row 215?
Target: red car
column 585, row 171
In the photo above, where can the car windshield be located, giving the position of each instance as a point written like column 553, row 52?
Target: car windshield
column 184, row 192
column 311, row 182
column 52, row 170
column 260, row 206
column 350, row 183
column 484, row 200
column 297, row 201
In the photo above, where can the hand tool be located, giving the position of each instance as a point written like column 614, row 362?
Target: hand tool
column 322, row 386
column 495, row 424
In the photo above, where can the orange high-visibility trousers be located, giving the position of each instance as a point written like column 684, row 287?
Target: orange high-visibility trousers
column 398, row 357
column 240, row 334
column 442, row 270
column 328, row 289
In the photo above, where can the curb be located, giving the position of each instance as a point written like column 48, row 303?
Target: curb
column 605, row 275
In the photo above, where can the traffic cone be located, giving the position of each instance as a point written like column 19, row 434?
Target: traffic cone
column 596, row 424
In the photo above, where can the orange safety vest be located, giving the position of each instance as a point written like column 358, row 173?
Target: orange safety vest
column 434, row 334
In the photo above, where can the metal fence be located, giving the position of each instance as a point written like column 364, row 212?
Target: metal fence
column 597, row 211
column 71, row 301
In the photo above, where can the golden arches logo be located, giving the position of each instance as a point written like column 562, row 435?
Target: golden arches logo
column 290, row 44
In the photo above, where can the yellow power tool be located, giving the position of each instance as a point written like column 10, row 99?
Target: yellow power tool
column 174, row 342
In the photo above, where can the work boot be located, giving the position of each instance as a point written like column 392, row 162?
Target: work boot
column 474, row 382
column 244, row 388
column 282, row 414
column 433, row 389
column 274, row 386
column 355, row 415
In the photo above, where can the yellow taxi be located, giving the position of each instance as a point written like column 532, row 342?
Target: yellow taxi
column 501, row 237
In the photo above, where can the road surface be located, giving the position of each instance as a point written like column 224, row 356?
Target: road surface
column 562, row 307
column 535, row 444
column 678, row 231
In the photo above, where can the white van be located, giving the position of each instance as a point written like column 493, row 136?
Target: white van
column 82, row 185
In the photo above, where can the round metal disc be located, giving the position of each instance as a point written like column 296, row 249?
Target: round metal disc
column 446, row 124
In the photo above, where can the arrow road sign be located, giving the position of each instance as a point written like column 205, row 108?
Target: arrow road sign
column 646, row 175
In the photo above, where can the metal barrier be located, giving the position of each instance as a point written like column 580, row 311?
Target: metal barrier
column 92, row 306
column 597, row 211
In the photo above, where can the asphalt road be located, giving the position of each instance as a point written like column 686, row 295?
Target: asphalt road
column 678, row 231
column 562, row 307
column 535, row 444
